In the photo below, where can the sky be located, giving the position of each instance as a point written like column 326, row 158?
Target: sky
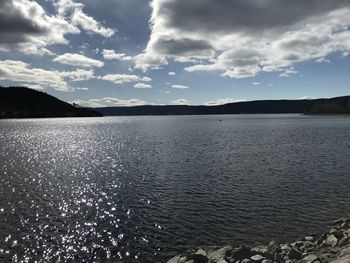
column 137, row 52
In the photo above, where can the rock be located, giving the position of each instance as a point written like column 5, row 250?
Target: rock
column 331, row 241
column 221, row 261
column 246, row 260
column 243, row 252
column 267, row 261
column 322, row 238
column 272, row 249
column 177, row 259
column 337, row 233
column 218, row 254
column 344, row 259
column 286, row 247
column 338, row 222
column 257, row 258
column 294, row 254
column 309, row 259
column 201, row 252
column 198, row 258
column 343, row 241
column 261, row 250
column 309, row 238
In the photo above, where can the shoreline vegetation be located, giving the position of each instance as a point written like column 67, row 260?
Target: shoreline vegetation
column 22, row 102
column 332, row 246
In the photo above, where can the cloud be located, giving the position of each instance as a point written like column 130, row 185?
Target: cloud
column 171, row 73
column 289, row 71
column 26, row 26
column 219, row 37
column 109, row 101
column 74, row 12
column 21, row 72
column 221, row 101
column 78, row 60
column 111, row 55
column 256, row 83
column 78, row 75
column 180, row 102
column 124, row 78
column 179, row 87
column 142, row 86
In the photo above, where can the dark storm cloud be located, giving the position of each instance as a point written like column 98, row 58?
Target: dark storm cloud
column 14, row 26
column 246, row 15
column 184, row 46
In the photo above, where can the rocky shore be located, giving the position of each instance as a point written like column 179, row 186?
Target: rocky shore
column 332, row 246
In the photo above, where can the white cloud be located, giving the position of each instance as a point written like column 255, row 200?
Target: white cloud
column 179, row 87
column 277, row 35
column 256, row 83
column 142, row 86
column 111, row 55
column 221, row 101
column 110, row 101
column 74, row 12
column 78, row 60
column 289, row 71
column 124, row 78
column 21, row 72
column 27, row 27
column 171, row 73
column 78, row 75
column 180, row 102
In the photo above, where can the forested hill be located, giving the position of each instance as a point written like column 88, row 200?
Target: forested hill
column 339, row 105
column 21, row 102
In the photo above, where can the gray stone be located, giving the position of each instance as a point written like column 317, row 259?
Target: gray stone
column 257, row 258
column 294, row 254
column 201, row 252
column 309, row 259
column 286, row 247
column 198, row 258
column 242, row 252
column 343, row 241
column 273, row 248
column 267, row 261
column 344, row 259
column 309, row 238
column 177, row 259
column 216, row 255
column 246, row 260
column 331, row 240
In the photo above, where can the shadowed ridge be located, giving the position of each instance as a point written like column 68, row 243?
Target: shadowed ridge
column 22, row 102
column 315, row 106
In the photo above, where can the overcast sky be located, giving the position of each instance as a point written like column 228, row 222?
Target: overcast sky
column 135, row 52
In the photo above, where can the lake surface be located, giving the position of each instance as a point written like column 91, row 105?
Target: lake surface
column 141, row 189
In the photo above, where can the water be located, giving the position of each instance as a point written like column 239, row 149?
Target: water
column 141, row 189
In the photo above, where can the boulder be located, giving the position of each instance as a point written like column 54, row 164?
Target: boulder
column 246, row 260
column 177, row 259
column 294, row 254
column 257, row 258
column 243, row 252
column 309, row 259
column 331, row 240
column 198, row 258
column 217, row 254
column 344, row 259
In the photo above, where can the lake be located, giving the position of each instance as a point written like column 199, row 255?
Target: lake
column 142, row 189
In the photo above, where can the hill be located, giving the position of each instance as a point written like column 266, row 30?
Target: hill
column 21, row 102
column 339, row 105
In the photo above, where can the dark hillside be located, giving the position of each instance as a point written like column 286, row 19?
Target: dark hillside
column 21, row 102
